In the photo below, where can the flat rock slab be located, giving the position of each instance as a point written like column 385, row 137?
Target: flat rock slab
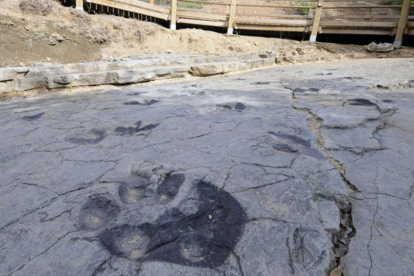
column 264, row 172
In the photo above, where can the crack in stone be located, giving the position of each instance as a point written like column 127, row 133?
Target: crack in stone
column 251, row 220
column 43, row 252
column 264, row 186
column 370, row 239
column 39, row 186
column 315, row 124
column 373, row 220
column 238, row 262
column 55, row 217
column 99, row 268
column 291, row 264
column 29, row 213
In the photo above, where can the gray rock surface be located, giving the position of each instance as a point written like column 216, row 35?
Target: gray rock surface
column 380, row 48
column 286, row 171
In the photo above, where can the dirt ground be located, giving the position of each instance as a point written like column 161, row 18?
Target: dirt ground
column 60, row 34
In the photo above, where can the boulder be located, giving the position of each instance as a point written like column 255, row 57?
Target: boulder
column 6, row 87
column 380, row 48
column 213, row 69
column 58, row 37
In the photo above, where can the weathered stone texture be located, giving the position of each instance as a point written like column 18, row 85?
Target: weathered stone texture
column 265, row 173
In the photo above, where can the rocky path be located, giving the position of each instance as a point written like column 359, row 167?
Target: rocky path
column 294, row 170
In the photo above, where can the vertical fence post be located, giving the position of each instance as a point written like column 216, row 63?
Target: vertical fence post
column 173, row 19
column 79, row 4
column 232, row 16
column 405, row 11
column 152, row 2
column 316, row 21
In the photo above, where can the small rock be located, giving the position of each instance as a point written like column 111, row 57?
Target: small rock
column 380, row 48
column 58, row 37
column 329, row 215
column 169, row 51
column 7, row 23
column 52, row 41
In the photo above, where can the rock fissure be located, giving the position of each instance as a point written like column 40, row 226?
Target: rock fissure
column 347, row 229
column 44, row 251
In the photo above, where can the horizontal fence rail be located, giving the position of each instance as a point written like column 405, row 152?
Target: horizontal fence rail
column 393, row 18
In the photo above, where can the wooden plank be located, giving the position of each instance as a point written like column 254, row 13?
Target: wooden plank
column 144, row 5
column 201, row 15
column 276, row 22
column 368, row 24
column 201, row 22
column 79, row 4
column 173, row 18
column 125, row 7
column 356, row 31
column 360, row 17
column 403, row 22
column 274, row 29
column 205, row 2
column 316, row 21
column 232, row 16
column 279, row 16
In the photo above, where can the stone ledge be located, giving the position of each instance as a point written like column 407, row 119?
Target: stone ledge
column 133, row 70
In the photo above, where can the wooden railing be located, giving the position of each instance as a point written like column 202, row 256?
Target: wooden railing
column 305, row 16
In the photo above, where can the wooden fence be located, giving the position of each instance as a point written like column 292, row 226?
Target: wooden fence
column 306, row 16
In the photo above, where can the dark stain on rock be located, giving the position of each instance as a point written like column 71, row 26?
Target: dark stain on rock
column 240, row 106
column 361, row 102
column 291, row 138
column 131, row 103
column 285, row 148
column 129, row 131
column 224, row 106
column 94, row 136
column 353, row 78
column 230, row 106
column 169, row 188
column 132, row 190
column 142, row 103
column 33, row 117
column 204, row 238
column 388, row 101
column 261, row 83
column 292, row 144
column 126, row 241
column 303, row 90
column 98, row 211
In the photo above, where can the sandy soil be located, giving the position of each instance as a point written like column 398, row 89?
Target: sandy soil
column 62, row 35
